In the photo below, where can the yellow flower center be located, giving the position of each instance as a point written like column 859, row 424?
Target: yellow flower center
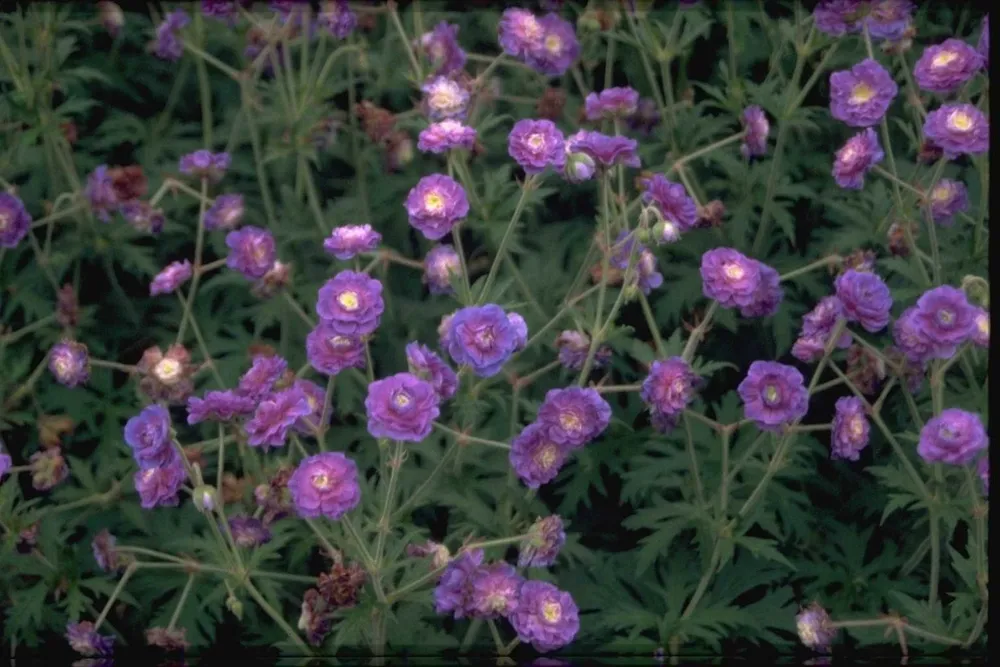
column 312, row 402
column 807, row 633
column 862, row 93
column 946, row 316
column 259, row 252
column 570, row 421
column 62, row 366
column 551, row 612
column 443, row 98
column 402, row 399
column 167, row 370
column 553, row 44
column 960, row 121
column 434, row 202
column 321, row 481
column 941, row 193
column 349, row 300
column 984, row 325
column 339, row 341
column 771, row 393
column 734, row 271
column 536, row 141
column 857, row 426
column 546, row 456
column 944, row 58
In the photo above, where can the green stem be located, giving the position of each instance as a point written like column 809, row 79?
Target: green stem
column 812, row 266
column 198, row 248
column 654, row 329
column 463, row 438
column 382, row 529
column 695, row 474
column 935, row 558
column 129, row 571
column 518, row 210
column 180, row 602
column 275, row 616
column 448, row 454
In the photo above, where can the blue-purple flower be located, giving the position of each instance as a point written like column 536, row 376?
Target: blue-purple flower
column 757, row 127
column 944, row 318
column 251, row 251
column 69, row 363
column 452, row 593
column 348, row 241
column 535, row 457
column 954, row 437
column 275, row 414
column 83, row 639
column 170, row 278
column 773, row 394
column 219, row 406
column 226, row 212
column 850, row 430
column 605, row 150
column 351, row 303
column 264, row 372
column 148, row 434
column 445, row 98
column 817, row 325
column 856, row 158
column 546, row 617
column 574, row 416
column 494, row 590
column 861, row 95
column 669, row 387
column 15, row 221
column 442, row 48
column 958, row 129
column 401, row 407
column 440, row 264
column 435, row 204
column 158, row 486
column 574, row 346
column 611, row 103
column 481, row 337
column 542, row 544
column 167, row 45
column 557, row 49
column 205, row 164
column 948, row 198
column 326, row 485
column 337, row 18
column 426, row 365
column 944, row 67
column 330, row 352
column 671, row 201
column 865, row 299
column 101, row 193
column 536, row 145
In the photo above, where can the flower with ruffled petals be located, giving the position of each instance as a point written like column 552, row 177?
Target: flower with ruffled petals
column 148, row 434
column 535, row 457
column 865, row 299
column 611, row 103
column 730, row 277
column 981, row 331
column 536, row 145
column 817, row 325
column 856, row 158
column 773, row 394
column 557, row 49
column 348, row 241
column 452, row 593
column 445, row 98
column 481, row 337
column 757, row 127
column 330, row 352
column 520, row 32
column 275, row 414
column 815, row 628
column 325, row 485
column 401, row 407
column 546, row 617
column 14, row 220
column 251, row 251
column 946, row 319
column 606, row 151
column 850, row 429
column 943, row 68
column 337, row 18
column 542, row 544
column 170, row 278
column 493, row 590
column 520, row 330
column 442, row 48
column 225, row 213
column 958, row 129
column 219, row 406
column 574, row 416
column 167, row 45
column 445, row 135
column 435, row 204
column 159, row 486
column 5, row 463
column 264, row 371
column 574, row 347
column 440, row 264
column 948, row 198
column 248, row 531
column 838, row 17
column 83, row 639
column 910, row 337
column 205, row 164
column 69, row 363
column 768, row 296
column 889, row 19
column 672, row 202
column 101, row 193
column 669, row 387
column 142, row 217
column 861, row 95
column 316, row 397
column 351, row 303
column 426, row 365
column 954, row 436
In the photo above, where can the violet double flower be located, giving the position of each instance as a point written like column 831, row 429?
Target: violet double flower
column 401, row 407
column 574, row 416
column 736, row 281
column 483, row 338
column 351, row 304
column 861, row 95
column 325, row 485
column 773, row 394
column 435, row 204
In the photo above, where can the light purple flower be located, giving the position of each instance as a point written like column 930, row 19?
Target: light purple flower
column 558, row 48
column 142, row 217
column 219, row 406
column 401, row 407
column 520, row 330
column 910, row 337
column 452, row 593
column 669, row 387
column 440, row 263
column 946, row 319
column 275, row 414
column 730, row 277
column 944, row 67
column 325, row 485
column 445, row 135
column 225, row 213
column 316, row 397
column 337, row 18
column 958, row 129
column 264, row 372
column 850, row 429
column 865, row 298
column 889, row 19
column 493, row 590
column 330, row 352
column 817, row 325
column 442, row 48
column 536, row 145
column 757, row 128
column 428, row 366
column 606, row 151
column 445, row 98
column 347, row 241
column 773, row 395
column 544, row 540
column 205, row 164
column 573, row 348
column 14, row 220
column 5, row 463
column 611, row 103
column 574, row 416
column 546, row 617
column 856, row 158
column 101, row 193
column 671, row 200
column 159, row 486
column 947, row 198
column 251, row 251
column 520, row 32
column 981, row 332
column 954, row 437
column 768, row 295
column 838, row 17
column 535, row 457
column 170, row 278
column 83, row 639
column 815, row 628
column 481, row 337
column 69, row 363
column 351, row 303
column 861, row 95
column 148, row 434
column 167, row 45
column 435, row 204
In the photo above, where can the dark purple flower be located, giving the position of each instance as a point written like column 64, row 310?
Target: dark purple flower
column 107, row 557
column 493, row 590
column 170, row 278
column 275, row 414
column 520, row 32
column 452, row 593
column 817, row 325
column 757, row 127
column 14, row 220
column 101, row 193
column 84, row 640
column 544, row 540
column 943, row 68
column 220, row 406
column 5, row 463
column 946, row 199
column 889, row 19
column 865, row 299
column 445, row 135
column 983, row 46
column 861, row 95
column 838, row 17
column 401, row 407
column 442, row 48
column 850, row 429
column 815, row 628
column 983, row 469
column 546, row 617
column 167, row 45
column 69, row 363
column 954, row 436
column 205, row 164
column 730, row 277
column 646, row 116
column 574, row 416
column 535, row 457
column 337, row 18
column 249, row 531
column 672, row 202
column 325, row 485
column 946, row 319
column 520, row 330
column 351, row 303
column 573, row 348
column 605, row 150
column 558, row 48
column 958, row 129
column 426, row 365
column 350, row 240
column 537, row 144
column 435, row 204
column 226, row 212
column 252, row 251
column 481, row 337
column 440, row 263
column 669, row 387
column 159, row 486
column 611, row 103
column 773, row 394
column 910, row 337
column 648, row 277
column 259, row 380
column 148, row 434
column 856, row 158
column 316, row 397
column 330, row 352
column 142, row 217
column 981, row 332
column 445, row 98
column 768, row 296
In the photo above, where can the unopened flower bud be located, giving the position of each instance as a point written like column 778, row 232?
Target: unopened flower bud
column 977, row 289
column 666, row 231
column 579, row 167
column 204, row 498
column 235, row 606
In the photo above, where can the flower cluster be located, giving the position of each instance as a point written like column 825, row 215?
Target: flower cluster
column 161, row 469
column 547, row 44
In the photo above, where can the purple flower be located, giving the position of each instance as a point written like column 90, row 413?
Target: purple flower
column 856, row 158
column 493, row 590
column 430, row 367
column 573, row 348
column 451, row 595
column 520, row 330
column 757, row 127
column 251, row 251
column 888, row 19
column 330, row 352
column 981, row 332
column 445, row 135
column 167, row 45
column 814, row 627
column 850, row 429
column 544, row 540
column 574, row 416
column 325, row 485
column 943, row 68
column 170, row 278
column 350, row 240
column 983, row 46
column 5, row 463
column 84, row 640
column 148, row 434
column 546, row 617
column 316, row 397
column 838, row 17
column 351, row 303
column 338, row 19
column 611, row 103
column 248, row 531
column 773, row 394
column 865, row 299
column 225, row 213
column 607, row 151
column 861, row 95
column 648, row 277
column 440, row 263
column 520, row 32
column 983, row 469
column 219, row 406
column 435, row 204
column 69, row 363
column 142, row 217
column 558, row 48
column 14, row 220
column 159, row 486
column 730, row 277
column 221, row 10
column 671, row 200
column 275, row 414
column 910, row 337
column 445, row 98
column 259, row 380
column 101, row 193
column 401, row 407
column 205, row 164
column 535, row 457
column 817, row 325
column 669, row 387
column 957, row 129
column 442, row 48
column 646, row 116
column 768, row 295
column 948, row 198
column 107, row 557
column 945, row 317
column 481, row 337
column 537, row 144
column 954, row 436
